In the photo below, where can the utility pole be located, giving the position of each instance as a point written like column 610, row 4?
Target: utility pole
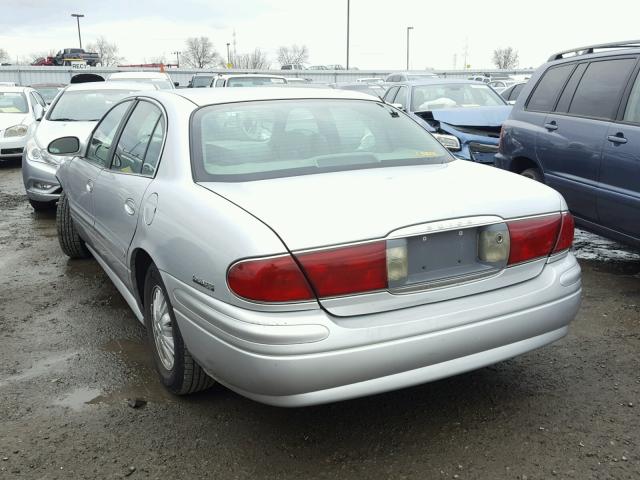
column 78, row 17
column 348, row 9
column 466, row 52
column 408, row 30
column 177, row 54
column 228, row 55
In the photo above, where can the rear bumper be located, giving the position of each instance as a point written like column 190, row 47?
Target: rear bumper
column 40, row 181
column 303, row 358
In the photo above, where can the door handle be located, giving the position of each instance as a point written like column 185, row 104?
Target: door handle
column 129, row 208
column 617, row 138
column 551, row 126
column 89, row 186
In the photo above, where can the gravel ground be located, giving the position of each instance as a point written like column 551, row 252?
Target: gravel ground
column 71, row 354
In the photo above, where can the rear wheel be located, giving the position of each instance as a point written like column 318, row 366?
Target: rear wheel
column 178, row 371
column 68, row 236
column 533, row 174
column 42, row 206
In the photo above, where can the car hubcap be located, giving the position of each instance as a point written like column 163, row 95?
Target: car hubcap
column 162, row 328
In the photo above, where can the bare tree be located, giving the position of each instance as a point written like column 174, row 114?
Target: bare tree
column 200, row 53
column 4, row 56
column 294, row 55
column 108, row 52
column 505, row 58
column 256, row 60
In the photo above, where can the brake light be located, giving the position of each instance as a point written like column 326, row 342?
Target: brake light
column 565, row 237
column 346, row 270
column 275, row 279
column 533, row 238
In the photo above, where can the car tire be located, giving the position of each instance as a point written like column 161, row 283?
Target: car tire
column 177, row 369
column 533, row 174
column 42, row 206
column 70, row 242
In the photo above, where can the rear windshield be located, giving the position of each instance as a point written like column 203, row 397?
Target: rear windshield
column 13, row 102
column 201, row 81
column 455, row 95
column 279, row 138
column 254, row 81
column 85, row 106
column 48, row 93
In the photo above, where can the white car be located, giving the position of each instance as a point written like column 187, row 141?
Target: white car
column 161, row 80
column 20, row 109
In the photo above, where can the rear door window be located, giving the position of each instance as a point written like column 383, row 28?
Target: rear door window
column 548, row 88
column 515, row 92
column 133, row 143
column 598, row 93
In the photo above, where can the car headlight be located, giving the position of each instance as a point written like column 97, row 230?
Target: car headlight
column 449, row 141
column 16, row 131
column 37, row 154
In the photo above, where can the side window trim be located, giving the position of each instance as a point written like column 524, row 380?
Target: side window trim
column 621, row 100
column 558, row 94
column 575, row 88
column 123, row 124
column 116, row 137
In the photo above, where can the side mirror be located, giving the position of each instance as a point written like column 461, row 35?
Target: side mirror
column 399, row 106
column 176, row 84
column 64, row 146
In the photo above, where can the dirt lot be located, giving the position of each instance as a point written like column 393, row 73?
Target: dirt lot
column 71, row 354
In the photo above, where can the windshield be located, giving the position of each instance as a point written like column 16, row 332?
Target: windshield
column 48, row 93
column 375, row 90
column 281, row 138
column 455, row 95
column 85, row 106
column 13, row 102
column 254, row 81
column 159, row 83
column 201, row 81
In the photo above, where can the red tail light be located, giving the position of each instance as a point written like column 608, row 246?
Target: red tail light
column 533, row 238
column 346, row 270
column 565, row 237
column 276, row 279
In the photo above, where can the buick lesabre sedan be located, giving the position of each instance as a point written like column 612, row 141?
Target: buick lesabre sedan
column 305, row 246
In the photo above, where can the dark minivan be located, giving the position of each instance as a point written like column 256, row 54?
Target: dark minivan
column 576, row 127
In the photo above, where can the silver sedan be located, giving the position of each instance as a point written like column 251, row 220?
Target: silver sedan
column 305, row 246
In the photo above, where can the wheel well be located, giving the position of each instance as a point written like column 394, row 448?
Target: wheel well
column 520, row 164
column 141, row 263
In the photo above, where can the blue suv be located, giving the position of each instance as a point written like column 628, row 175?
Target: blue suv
column 576, row 127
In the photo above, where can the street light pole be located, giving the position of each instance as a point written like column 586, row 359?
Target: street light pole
column 78, row 17
column 177, row 54
column 348, row 9
column 408, row 29
column 228, row 55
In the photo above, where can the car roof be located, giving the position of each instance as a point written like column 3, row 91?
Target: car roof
column 242, row 75
column 212, row 96
column 47, row 85
column 438, row 81
column 162, row 75
column 6, row 89
column 88, row 86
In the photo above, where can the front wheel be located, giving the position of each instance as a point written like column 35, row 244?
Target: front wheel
column 177, row 369
column 533, row 174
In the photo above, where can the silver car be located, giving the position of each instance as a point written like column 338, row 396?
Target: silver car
column 76, row 112
column 305, row 246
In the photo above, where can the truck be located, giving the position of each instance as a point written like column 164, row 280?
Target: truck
column 71, row 56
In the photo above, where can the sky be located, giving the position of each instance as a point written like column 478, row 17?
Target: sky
column 145, row 29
